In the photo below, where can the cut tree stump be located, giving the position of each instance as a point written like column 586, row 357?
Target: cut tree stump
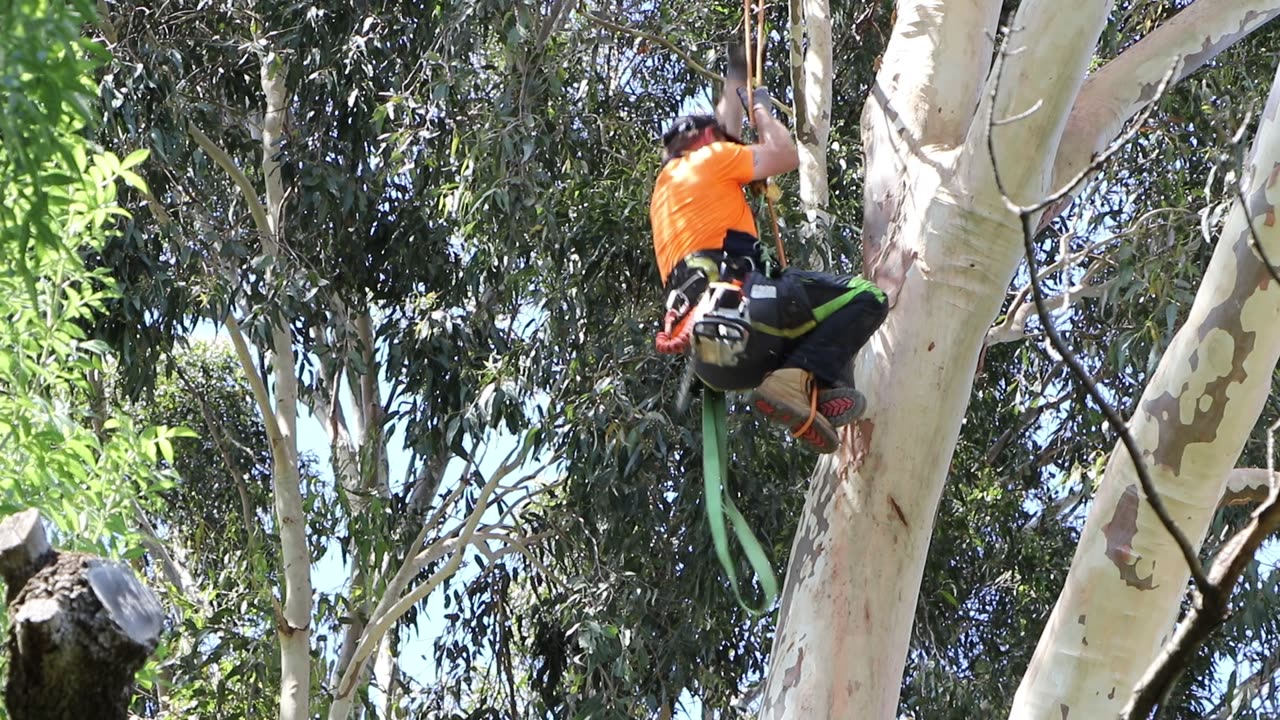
column 79, row 628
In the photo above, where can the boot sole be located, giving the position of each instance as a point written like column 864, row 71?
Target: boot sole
column 841, row 406
column 786, row 414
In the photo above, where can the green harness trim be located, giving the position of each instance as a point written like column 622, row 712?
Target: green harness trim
column 715, row 472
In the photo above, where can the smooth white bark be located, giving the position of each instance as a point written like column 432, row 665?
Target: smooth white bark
column 940, row 240
column 1128, row 578
column 921, row 104
column 933, row 68
column 857, row 559
column 811, row 82
column 1043, row 64
column 295, row 626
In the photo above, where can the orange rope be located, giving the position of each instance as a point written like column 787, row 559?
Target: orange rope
column 746, row 51
column 813, row 412
column 759, row 43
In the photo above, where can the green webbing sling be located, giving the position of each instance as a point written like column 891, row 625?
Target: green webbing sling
column 715, row 471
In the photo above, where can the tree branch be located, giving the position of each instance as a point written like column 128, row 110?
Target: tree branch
column 933, row 67
column 1210, row 608
column 1062, row 41
column 260, row 395
column 1261, row 682
column 1207, row 612
column 214, row 426
column 175, row 572
column 1015, row 325
column 224, row 161
column 390, row 608
column 1122, row 87
column 657, row 40
column 1246, row 486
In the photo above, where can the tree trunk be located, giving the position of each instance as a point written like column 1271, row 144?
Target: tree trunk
column 80, row 627
column 295, row 620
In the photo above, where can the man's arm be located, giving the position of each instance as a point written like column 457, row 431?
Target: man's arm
column 775, row 152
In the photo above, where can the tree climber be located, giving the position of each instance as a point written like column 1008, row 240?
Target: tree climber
column 788, row 334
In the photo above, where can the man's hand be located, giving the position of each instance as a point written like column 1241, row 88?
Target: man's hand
column 760, row 97
column 775, row 152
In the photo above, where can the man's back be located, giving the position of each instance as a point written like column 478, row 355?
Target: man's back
column 697, row 200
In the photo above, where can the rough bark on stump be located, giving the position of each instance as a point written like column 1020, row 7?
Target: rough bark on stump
column 79, row 628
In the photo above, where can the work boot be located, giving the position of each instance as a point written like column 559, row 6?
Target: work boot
column 788, row 397
column 841, row 405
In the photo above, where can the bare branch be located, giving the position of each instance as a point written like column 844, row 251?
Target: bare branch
column 1015, row 325
column 217, row 434
column 1027, row 215
column 658, row 40
column 175, row 572
column 224, row 161
column 389, row 609
column 260, row 394
column 1207, row 613
column 1260, row 683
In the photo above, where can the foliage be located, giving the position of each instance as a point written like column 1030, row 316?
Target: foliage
column 67, row 451
column 81, row 463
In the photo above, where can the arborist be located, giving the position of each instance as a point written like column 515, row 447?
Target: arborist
column 789, row 334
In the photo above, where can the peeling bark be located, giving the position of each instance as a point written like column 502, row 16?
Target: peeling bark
column 854, row 576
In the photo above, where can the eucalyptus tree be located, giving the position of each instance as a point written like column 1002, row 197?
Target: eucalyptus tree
column 310, row 192
column 964, row 140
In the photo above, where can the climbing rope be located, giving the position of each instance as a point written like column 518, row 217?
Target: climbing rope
column 715, row 454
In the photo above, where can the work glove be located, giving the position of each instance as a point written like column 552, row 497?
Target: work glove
column 760, row 96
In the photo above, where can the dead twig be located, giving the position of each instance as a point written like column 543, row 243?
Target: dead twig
column 1026, row 216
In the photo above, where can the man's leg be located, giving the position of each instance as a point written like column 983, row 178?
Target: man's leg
column 806, row 393
column 849, row 310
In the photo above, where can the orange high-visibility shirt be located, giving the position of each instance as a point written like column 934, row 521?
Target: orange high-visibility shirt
column 697, row 199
